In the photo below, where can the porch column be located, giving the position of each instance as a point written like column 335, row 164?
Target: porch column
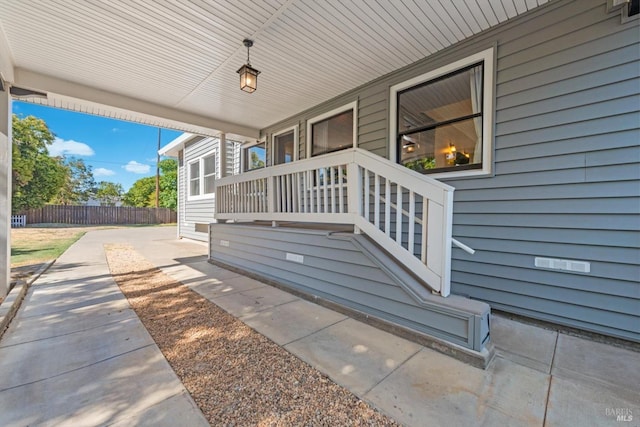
column 5, row 190
column 223, row 155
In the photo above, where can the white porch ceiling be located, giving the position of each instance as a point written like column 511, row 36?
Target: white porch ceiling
column 174, row 62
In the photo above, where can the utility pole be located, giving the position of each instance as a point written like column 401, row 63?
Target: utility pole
column 158, row 171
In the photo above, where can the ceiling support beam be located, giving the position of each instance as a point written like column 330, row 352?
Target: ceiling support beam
column 86, row 99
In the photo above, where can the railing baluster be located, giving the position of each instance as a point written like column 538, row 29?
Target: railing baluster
column 312, row 197
column 376, row 200
column 340, row 189
column 287, row 194
column 333, row 189
column 243, row 193
column 325, row 191
column 399, row 215
column 425, row 218
column 296, row 192
column 366, row 194
column 387, row 207
column 259, row 195
column 265, row 194
column 290, row 196
column 278, row 205
column 412, row 221
column 318, row 194
column 305, row 187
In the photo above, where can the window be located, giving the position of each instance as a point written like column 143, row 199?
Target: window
column 442, row 120
column 194, row 178
column 284, row 146
column 254, row 156
column 209, row 173
column 332, row 131
column 202, row 176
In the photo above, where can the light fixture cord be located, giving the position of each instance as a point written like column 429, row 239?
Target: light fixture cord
column 248, row 62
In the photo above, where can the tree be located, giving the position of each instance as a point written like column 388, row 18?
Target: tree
column 109, row 193
column 37, row 177
column 168, row 184
column 255, row 161
column 79, row 185
column 141, row 193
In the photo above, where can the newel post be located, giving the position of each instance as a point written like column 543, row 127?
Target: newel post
column 354, row 191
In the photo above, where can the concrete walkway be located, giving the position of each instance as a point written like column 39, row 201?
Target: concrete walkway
column 76, row 354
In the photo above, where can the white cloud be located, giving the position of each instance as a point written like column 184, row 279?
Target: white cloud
column 61, row 147
column 103, row 172
column 136, row 167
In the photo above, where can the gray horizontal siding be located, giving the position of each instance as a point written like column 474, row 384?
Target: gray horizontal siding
column 566, row 178
column 339, row 271
column 567, row 169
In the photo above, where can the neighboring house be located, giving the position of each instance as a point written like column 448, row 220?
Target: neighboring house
column 199, row 164
column 535, row 123
column 95, row 202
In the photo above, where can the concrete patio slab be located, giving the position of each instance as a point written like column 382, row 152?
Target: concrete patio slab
column 62, row 323
column 524, row 344
column 589, row 360
column 44, row 303
column 217, row 288
column 574, row 402
column 70, row 352
column 103, row 393
column 354, row 355
column 292, row 321
column 436, row 390
column 178, row 410
column 240, row 304
column 186, row 273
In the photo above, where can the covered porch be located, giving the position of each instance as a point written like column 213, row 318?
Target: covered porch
column 174, row 65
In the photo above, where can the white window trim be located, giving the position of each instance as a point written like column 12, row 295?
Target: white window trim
column 350, row 106
column 244, row 147
column 487, row 56
column 296, row 148
column 200, row 161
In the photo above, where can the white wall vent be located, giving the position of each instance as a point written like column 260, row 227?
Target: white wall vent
column 295, row 258
column 563, row 265
column 224, row 243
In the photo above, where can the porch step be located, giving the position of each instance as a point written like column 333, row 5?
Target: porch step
column 349, row 273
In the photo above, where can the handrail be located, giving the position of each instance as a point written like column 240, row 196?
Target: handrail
column 407, row 213
column 462, row 246
column 454, row 242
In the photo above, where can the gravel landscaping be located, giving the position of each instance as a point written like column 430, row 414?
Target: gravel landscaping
column 235, row 375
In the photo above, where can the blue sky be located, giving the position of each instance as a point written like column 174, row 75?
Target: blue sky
column 118, row 151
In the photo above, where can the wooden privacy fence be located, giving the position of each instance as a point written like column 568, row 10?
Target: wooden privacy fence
column 99, row 215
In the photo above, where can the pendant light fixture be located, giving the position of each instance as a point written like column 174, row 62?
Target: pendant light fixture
column 248, row 74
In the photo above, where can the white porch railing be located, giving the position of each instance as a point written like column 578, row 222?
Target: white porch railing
column 408, row 214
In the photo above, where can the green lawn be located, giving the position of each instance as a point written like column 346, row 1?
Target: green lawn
column 33, row 246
